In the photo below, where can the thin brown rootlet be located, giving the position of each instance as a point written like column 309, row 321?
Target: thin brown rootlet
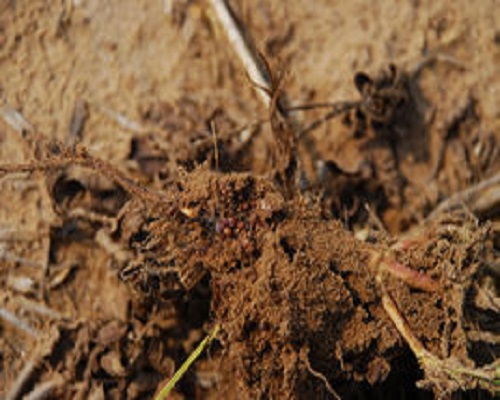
column 279, row 292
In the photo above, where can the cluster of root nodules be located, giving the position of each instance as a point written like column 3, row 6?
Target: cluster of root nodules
column 304, row 305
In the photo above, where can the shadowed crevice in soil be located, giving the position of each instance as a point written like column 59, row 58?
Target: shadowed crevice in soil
column 178, row 203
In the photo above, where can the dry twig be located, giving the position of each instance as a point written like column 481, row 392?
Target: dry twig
column 14, row 119
column 39, row 308
column 471, row 197
column 14, row 320
column 23, row 377
column 254, row 69
column 44, row 390
column 450, row 370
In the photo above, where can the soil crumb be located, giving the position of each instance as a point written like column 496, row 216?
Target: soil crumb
column 344, row 237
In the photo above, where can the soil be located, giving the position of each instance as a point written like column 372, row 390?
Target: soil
column 148, row 195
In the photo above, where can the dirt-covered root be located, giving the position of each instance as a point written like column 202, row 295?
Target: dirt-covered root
column 298, row 298
column 314, row 304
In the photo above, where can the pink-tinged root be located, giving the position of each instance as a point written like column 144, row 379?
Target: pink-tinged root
column 411, row 277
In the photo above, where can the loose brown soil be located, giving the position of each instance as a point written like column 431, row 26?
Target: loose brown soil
column 356, row 256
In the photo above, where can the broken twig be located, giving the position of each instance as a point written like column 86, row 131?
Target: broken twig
column 253, row 68
column 23, row 377
column 14, row 320
column 469, row 196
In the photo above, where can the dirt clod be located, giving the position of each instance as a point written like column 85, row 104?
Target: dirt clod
column 147, row 196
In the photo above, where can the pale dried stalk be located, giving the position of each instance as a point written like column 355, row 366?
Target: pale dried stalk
column 487, row 337
column 91, row 216
column 6, row 257
column 452, row 369
column 472, row 197
column 25, row 375
column 39, row 308
column 243, row 50
column 44, row 390
column 14, row 119
column 123, row 121
column 14, row 320
column 257, row 73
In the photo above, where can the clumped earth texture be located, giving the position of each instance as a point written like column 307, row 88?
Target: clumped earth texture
column 148, row 195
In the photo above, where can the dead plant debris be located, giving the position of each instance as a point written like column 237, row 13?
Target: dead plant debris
column 325, row 261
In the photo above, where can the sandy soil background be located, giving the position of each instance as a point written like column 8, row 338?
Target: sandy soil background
column 113, row 75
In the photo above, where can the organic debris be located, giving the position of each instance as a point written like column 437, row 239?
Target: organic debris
column 322, row 262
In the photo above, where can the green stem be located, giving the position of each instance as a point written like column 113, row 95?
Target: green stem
column 185, row 366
